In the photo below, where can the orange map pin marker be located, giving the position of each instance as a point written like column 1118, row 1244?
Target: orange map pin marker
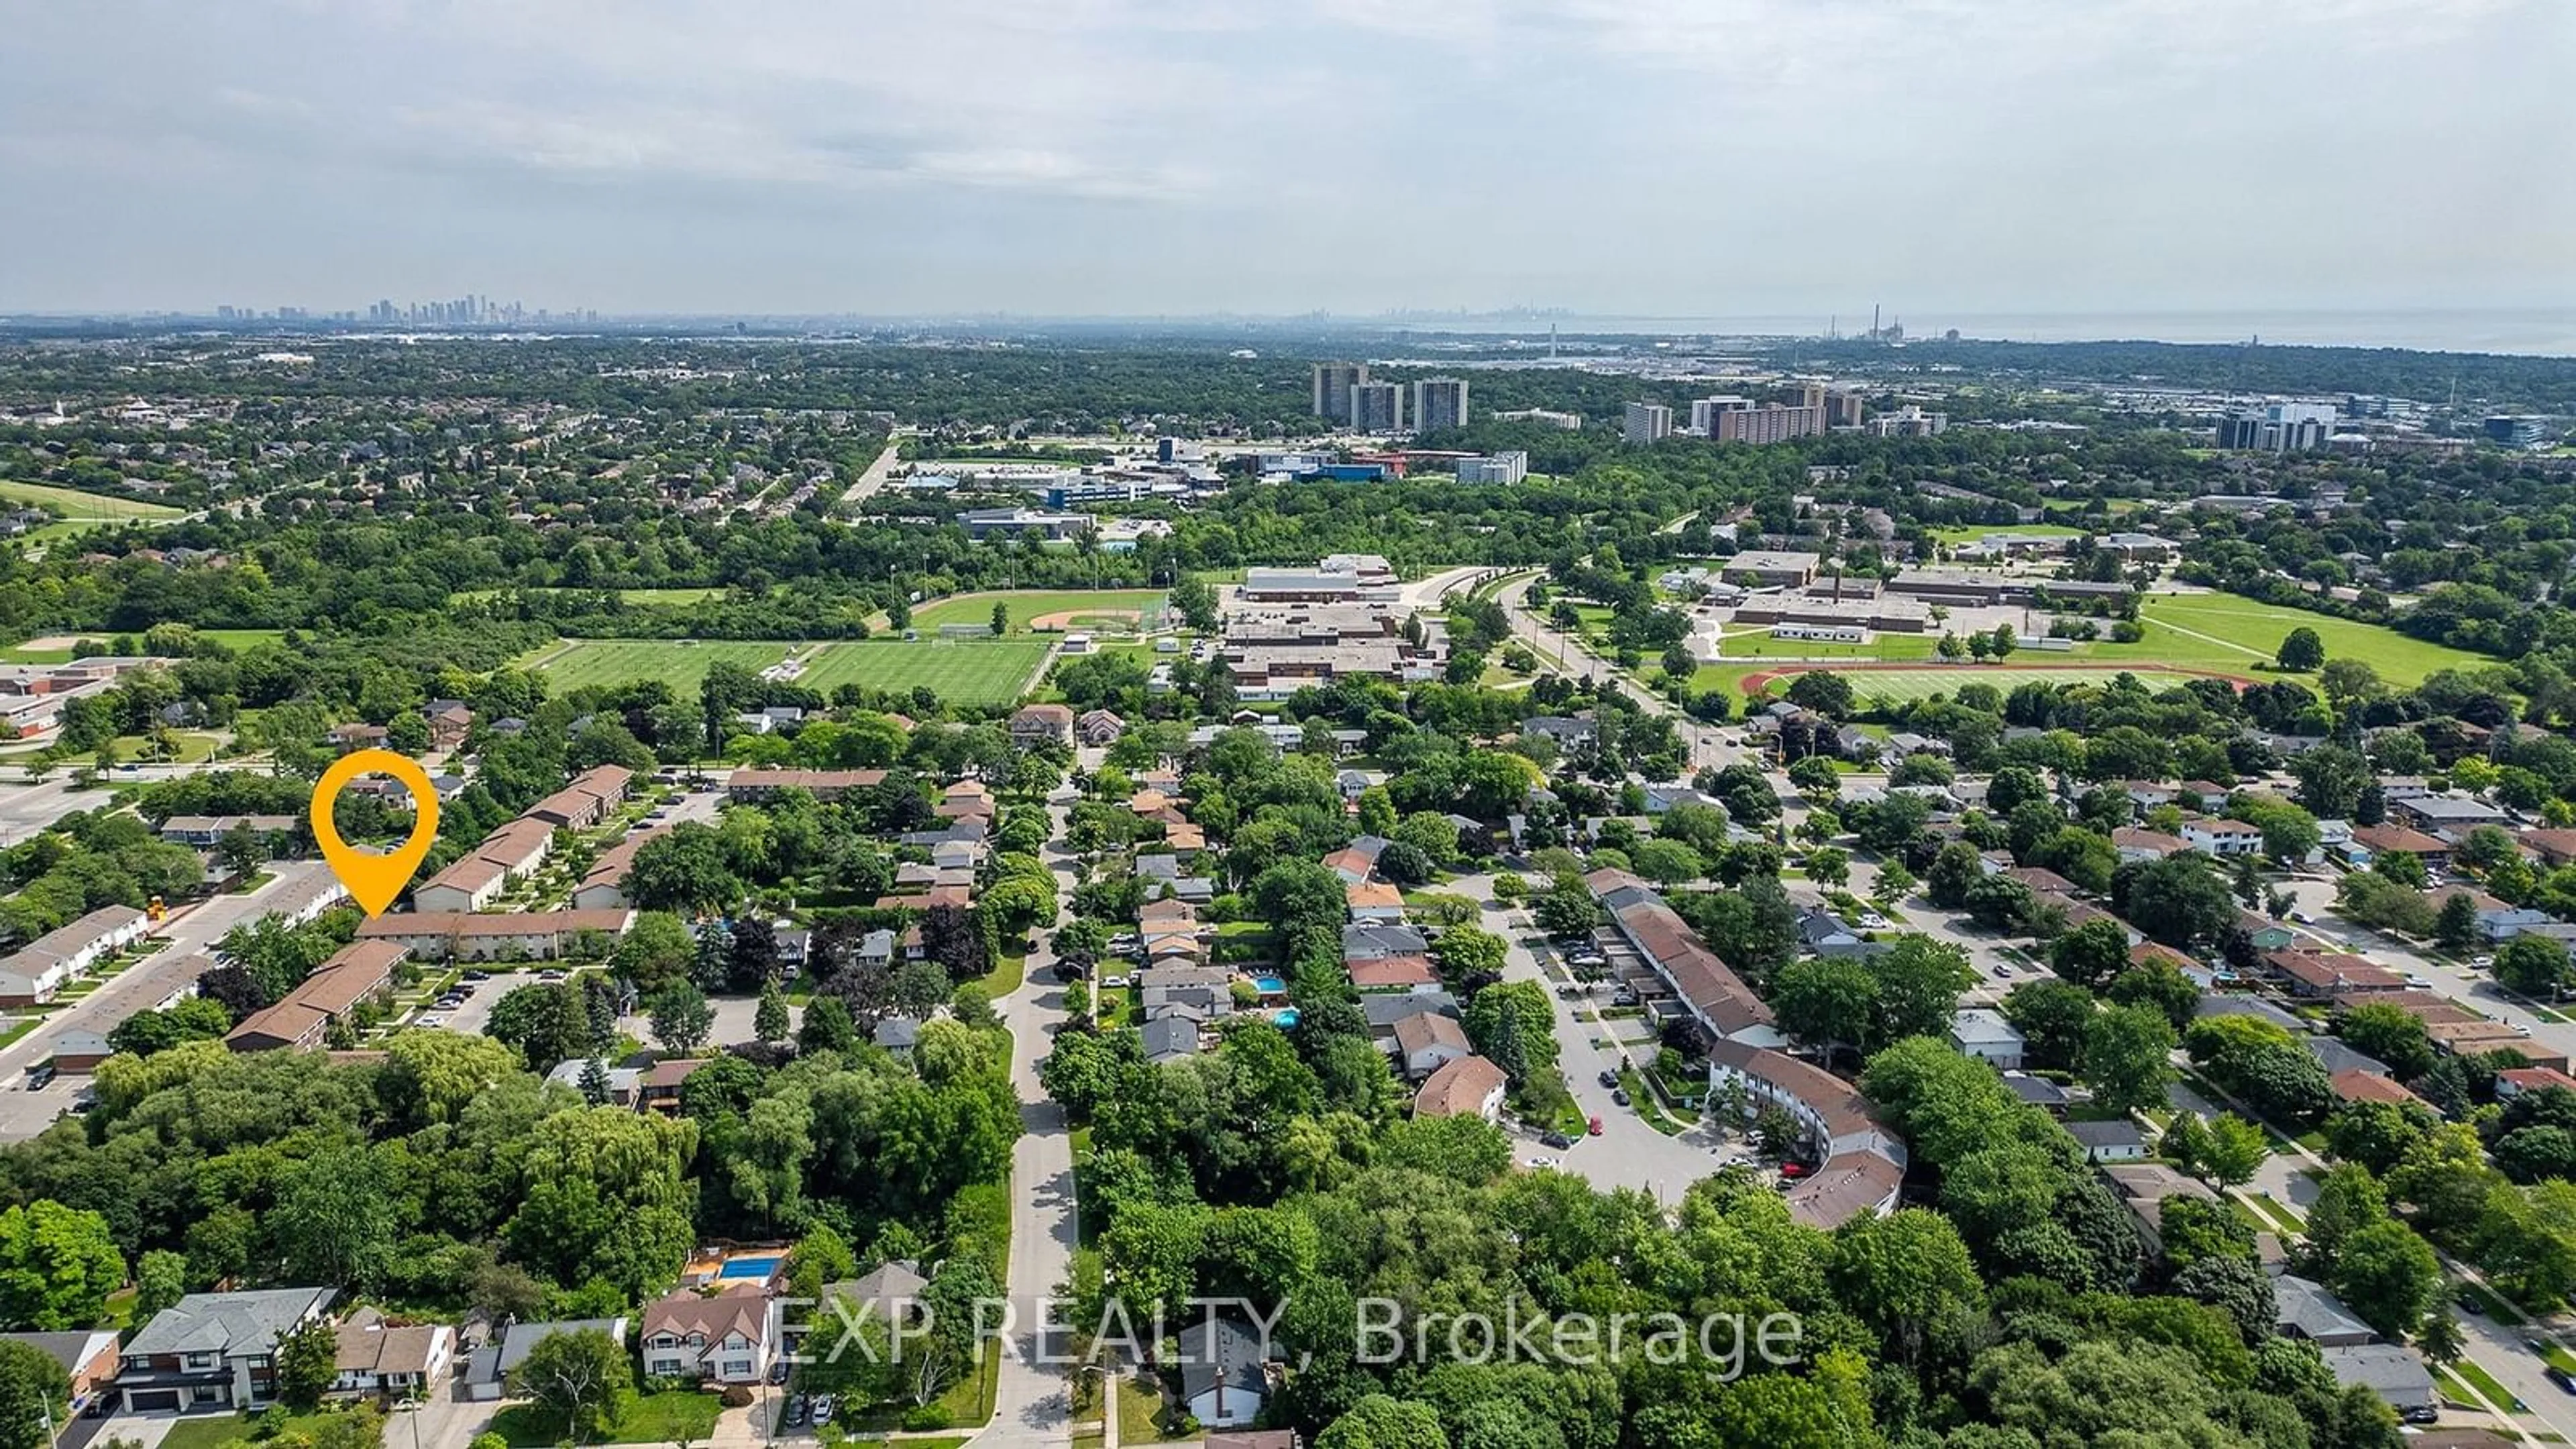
column 375, row 879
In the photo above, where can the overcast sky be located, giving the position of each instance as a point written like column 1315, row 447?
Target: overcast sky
column 1663, row 157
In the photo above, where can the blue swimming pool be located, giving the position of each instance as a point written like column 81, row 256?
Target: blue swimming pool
column 1269, row 985
column 749, row 1268
column 1285, row 1017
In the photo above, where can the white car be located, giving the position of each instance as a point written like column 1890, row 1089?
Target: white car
column 1539, row 1163
column 2483, row 963
column 1872, row 921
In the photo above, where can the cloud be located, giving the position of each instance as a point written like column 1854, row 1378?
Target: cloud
column 1665, row 156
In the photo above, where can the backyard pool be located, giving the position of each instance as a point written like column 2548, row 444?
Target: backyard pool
column 761, row 1268
column 1269, row 985
column 1285, row 1017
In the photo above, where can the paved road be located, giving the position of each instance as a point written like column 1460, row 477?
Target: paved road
column 1628, row 1153
column 875, row 477
column 143, row 985
column 28, row 807
column 2473, row 989
column 1710, row 745
column 1032, row 1405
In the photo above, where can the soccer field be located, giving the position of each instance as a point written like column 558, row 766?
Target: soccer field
column 681, row 665
column 992, row 671
column 2227, row 631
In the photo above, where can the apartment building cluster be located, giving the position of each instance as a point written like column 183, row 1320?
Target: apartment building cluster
column 514, row 851
column 1346, row 397
column 1812, row 408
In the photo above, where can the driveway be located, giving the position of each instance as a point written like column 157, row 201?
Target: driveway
column 1628, row 1153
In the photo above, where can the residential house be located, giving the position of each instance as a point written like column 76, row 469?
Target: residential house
column 1385, row 1010
column 1984, row 1034
column 2145, row 1187
column 2306, row 1309
column 2119, row 1141
column 392, row 1361
column 2448, row 816
column 449, row 722
column 2223, row 838
column 87, row 1355
column 1428, row 1041
column 2497, row 921
column 898, row 1035
column 214, row 1350
column 1465, row 1086
column 2324, row 973
column 354, row 737
column 1171, row 1037
column 603, row 888
column 2356, row 1084
column 1099, row 727
column 1225, row 1377
column 205, row 832
column 486, row 1373
column 1039, row 724
column 2137, row 843
column 2386, row 839
column 80, row 1052
column 2513, row 1082
column 727, row 1337
column 2394, row 1372
column 1374, row 901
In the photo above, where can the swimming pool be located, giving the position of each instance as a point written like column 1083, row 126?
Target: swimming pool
column 1270, row 985
column 750, row 1267
column 1285, row 1017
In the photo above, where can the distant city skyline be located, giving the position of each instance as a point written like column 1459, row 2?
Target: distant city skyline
column 1957, row 160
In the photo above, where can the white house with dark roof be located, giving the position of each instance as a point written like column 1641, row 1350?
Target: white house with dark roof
column 214, row 1350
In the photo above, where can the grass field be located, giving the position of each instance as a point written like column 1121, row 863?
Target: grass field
column 1897, row 685
column 78, row 507
column 2224, row 631
column 580, row 662
column 1758, row 644
column 642, row 598
column 681, row 1415
column 2027, row 530
column 992, row 671
column 1028, row 604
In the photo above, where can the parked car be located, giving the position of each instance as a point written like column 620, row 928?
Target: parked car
column 823, row 1405
column 1620, row 1096
column 1535, row 1162
column 1557, row 1140
column 778, row 1371
column 1609, row 1078
column 40, row 1076
column 2565, row 1381
column 1593, row 1127
column 1872, row 921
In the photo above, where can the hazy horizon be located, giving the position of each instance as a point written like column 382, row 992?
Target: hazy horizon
column 1965, row 162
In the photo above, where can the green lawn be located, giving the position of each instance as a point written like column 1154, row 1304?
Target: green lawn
column 680, row 664
column 2224, row 631
column 991, row 671
column 652, row 1419
column 1758, row 644
column 79, row 507
column 1104, row 606
column 1988, row 530
column 206, row 1431
column 242, row 638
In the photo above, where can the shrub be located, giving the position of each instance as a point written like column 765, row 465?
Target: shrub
column 735, row 1396
column 925, row 1416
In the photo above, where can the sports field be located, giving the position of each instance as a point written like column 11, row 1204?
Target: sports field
column 579, row 662
column 78, row 507
column 1062, row 608
column 2226, row 631
column 992, row 671
column 1987, row 530
column 1907, row 683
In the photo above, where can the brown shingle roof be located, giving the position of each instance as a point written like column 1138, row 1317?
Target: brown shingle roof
column 1458, row 1088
